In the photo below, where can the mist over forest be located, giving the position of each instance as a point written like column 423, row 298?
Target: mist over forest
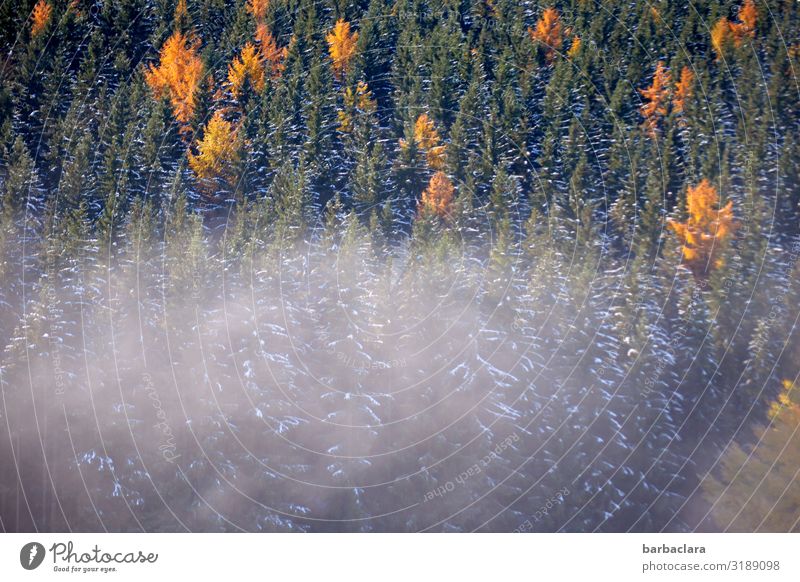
column 399, row 265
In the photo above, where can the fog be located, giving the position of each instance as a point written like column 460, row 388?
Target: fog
column 327, row 386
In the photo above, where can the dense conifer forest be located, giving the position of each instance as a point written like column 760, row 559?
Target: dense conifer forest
column 399, row 265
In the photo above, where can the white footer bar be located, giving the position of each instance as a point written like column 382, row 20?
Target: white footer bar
column 417, row 557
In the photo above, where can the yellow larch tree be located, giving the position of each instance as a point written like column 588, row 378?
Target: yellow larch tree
column 707, row 229
column 757, row 489
column 178, row 76
column 548, row 32
column 427, row 139
column 42, row 12
column 656, row 98
column 575, row 47
column 437, row 198
column 217, row 152
column 788, row 401
column 272, row 55
column 721, row 37
column 358, row 100
column 341, row 47
column 247, row 67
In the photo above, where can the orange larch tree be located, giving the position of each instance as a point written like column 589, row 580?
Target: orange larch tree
column 656, row 15
column 257, row 9
column 429, row 141
column 721, row 37
column 684, row 89
column 748, row 19
column 437, row 198
column 248, row 67
column 341, row 47
column 272, row 55
column 548, row 32
column 178, row 76
column 40, row 17
column 656, row 97
column 217, row 152
column 725, row 32
column 706, row 230
column 181, row 15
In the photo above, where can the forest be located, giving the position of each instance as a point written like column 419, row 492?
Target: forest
column 399, row 265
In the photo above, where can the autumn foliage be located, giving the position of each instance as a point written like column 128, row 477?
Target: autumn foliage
column 721, row 37
column 257, row 9
column 181, row 14
column 359, row 99
column 40, row 17
column 178, row 76
column 786, row 403
column 437, row 198
column 548, row 32
column 748, row 19
column 575, row 47
column 757, row 489
column 656, row 99
column 341, row 47
column 216, row 153
column 726, row 33
column 246, row 68
column 427, row 139
column 272, row 55
column 684, row 89
column 706, row 229
column 661, row 94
